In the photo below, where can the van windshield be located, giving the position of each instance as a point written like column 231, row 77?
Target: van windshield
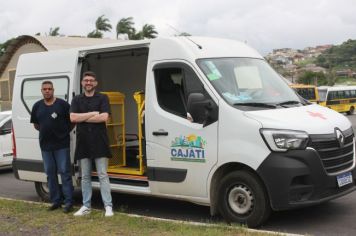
column 244, row 81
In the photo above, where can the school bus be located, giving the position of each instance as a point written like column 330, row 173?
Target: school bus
column 340, row 99
column 308, row 92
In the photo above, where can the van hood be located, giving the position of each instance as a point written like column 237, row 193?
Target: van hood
column 313, row 119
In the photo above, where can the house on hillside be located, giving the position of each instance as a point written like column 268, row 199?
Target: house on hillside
column 29, row 44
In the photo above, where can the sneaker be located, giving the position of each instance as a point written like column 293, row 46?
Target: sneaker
column 82, row 211
column 108, row 211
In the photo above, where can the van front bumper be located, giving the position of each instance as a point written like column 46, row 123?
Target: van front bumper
column 297, row 178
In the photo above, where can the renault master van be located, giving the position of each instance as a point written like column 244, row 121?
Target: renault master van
column 198, row 119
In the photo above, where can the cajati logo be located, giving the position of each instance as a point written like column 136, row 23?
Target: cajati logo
column 188, row 148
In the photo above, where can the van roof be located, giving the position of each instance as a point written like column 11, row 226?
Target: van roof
column 183, row 47
column 174, row 48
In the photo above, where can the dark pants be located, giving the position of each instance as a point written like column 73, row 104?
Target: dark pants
column 58, row 162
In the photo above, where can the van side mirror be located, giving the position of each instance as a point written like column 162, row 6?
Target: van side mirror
column 203, row 110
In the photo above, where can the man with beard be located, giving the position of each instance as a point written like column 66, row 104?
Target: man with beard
column 90, row 111
column 50, row 116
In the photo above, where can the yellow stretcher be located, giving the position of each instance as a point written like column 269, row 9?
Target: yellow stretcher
column 118, row 164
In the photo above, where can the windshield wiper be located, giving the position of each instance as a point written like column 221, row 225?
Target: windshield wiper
column 255, row 104
column 291, row 102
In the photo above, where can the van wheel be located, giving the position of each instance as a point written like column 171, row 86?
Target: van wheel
column 242, row 199
column 42, row 191
column 351, row 111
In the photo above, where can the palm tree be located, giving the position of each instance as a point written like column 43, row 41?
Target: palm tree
column 95, row 34
column 54, row 31
column 102, row 24
column 125, row 26
column 148, row 31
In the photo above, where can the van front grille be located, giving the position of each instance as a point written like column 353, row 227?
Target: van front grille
column 335, row 157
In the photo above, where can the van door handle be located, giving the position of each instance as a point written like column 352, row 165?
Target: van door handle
column 160, row 133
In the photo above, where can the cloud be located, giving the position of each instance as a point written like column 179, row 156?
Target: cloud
column 264, row 25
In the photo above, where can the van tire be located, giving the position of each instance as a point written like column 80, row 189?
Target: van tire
column 253, row 208
column 42, row 191
column 351, row 111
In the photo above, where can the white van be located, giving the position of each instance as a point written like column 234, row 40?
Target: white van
column 253, row 145
column 5, row 140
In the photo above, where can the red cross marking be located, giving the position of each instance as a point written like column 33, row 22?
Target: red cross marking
column 317, row 114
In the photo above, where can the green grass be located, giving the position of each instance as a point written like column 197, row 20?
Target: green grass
column 24, row 218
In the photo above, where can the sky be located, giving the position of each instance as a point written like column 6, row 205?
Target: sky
column 263, row 24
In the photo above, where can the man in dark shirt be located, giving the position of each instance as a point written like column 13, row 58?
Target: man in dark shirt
column 90, row 111
column 50, row 116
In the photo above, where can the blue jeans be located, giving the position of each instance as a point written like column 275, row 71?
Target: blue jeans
column 58, row 162
column 101, row 165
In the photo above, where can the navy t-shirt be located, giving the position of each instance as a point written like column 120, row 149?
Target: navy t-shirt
column 54, row 124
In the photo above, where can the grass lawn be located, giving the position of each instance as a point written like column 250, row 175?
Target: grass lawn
column 24, row 218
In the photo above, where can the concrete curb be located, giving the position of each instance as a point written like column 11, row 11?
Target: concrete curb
column 173, row 221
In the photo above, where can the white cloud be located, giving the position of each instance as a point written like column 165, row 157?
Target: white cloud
column 262, row 24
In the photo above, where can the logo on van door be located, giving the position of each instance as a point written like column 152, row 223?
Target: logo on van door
column 188, row 148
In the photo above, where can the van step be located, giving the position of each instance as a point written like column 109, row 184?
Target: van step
column 126, row 170
column 125, row 179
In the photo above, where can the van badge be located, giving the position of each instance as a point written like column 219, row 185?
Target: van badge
column 188, row 148
column 340, row 137
column 317, row 114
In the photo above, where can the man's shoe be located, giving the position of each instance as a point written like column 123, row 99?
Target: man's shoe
column 82, row 211
column 54, row 207
column 68, row 209
column 108, row 211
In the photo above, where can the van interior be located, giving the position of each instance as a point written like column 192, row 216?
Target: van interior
column 121, row 76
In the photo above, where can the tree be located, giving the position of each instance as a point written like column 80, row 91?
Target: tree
column 148, row 31
column 101, row 25
column 54, row 31
column 314, row 78
column 3, row 46
column 95, row 34
column 125, row 26
column 341, row 56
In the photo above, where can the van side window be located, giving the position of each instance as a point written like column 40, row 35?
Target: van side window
column 31, row 90
column 7, row 125
column 169, row 88
column 174, row 83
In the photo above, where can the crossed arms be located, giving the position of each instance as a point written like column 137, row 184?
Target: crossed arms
column 90, row 117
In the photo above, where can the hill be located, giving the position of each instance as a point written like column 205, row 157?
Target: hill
column 339, row 57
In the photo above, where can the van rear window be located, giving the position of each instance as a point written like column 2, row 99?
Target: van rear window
column 31, row 90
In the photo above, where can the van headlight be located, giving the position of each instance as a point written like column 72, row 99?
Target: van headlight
column 284, row 140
